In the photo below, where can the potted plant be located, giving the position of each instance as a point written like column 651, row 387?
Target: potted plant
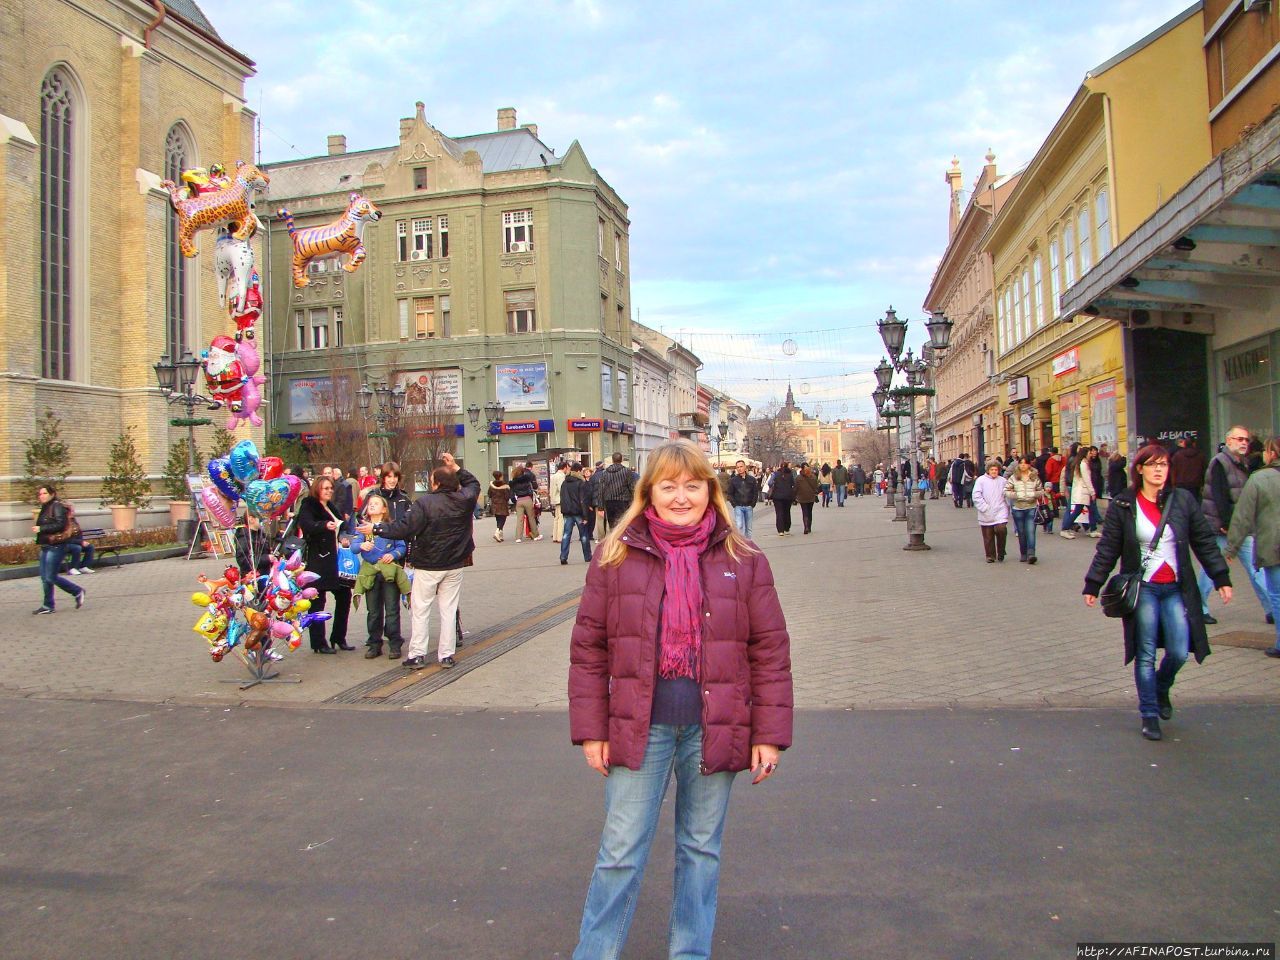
column 175, row 480
column 47, row 459
column 125, row 488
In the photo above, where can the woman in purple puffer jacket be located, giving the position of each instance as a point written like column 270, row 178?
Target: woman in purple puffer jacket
column 679, row 663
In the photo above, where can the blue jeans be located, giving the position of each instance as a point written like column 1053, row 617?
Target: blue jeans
column 841, row 490
column 1256, row 579
column 742, row 517
column 633, row 801
column 1024, row 524
column 1077, row 509
column 1160, row 612
column 51, row 557
column 572, row 523
column 1271, row 576
column 80, row 556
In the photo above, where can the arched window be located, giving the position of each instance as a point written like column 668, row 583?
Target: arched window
column 178, row 156
column 58, row 118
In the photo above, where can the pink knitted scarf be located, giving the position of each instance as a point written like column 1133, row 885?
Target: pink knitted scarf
column 681, row 547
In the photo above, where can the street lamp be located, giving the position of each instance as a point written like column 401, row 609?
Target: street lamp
column 493, row 414
column 894, row 333
column 177, row 381
column 391, row 403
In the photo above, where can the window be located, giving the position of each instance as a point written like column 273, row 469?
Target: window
column 316, row 267
column 622, row 324
column 320, row 329
column 421, row 249
column 617, row 251
column 444, row 317
column 606, row 386
column 442, row 228
column 624, row 392
column 520, row 312
column 424, row 317
column 1086, row 241
column 1024, row 307
column 604, row 313
column 57, row 142
column 1102, row 213
column 177, row 157
column 808, row 444
column 1000, row 314
column 419, row 178
column 1055, row 284
column 517, row 231
column 300, row 321
column 826, row 446
column 402, row 240
column 337, row 326
column 1037, row 292
column 600, row 236
column 1068, row 254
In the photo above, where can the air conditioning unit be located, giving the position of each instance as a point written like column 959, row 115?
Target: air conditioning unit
column 519, row 246
column 417, row 255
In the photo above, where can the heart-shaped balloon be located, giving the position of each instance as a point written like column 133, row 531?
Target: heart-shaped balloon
column 222, row 477
column 271, row 498
column 223, row 512
column 270, row 467
column 244, row 461
column 281, row 629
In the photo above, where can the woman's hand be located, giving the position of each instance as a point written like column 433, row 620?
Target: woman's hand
column 331, row 525
column 765, row 757
column 597, row 754
column 1225, row 594
column 1090, row 600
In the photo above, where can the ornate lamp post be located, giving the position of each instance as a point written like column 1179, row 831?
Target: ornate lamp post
column 177, row 381
column 493, row 413
column 390, row 405
column 894, row 333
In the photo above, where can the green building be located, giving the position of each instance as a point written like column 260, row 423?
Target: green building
column 497, row 272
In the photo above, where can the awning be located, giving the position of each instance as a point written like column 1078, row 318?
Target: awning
column 1213, row 246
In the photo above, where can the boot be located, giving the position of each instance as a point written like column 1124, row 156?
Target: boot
column 1151, row 728
column 394, row 652
column 373, row 651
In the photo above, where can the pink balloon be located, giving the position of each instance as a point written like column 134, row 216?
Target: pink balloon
column 281, row 629
column 246, row 407
column 221, row 511
column 310, row 593
column 294, row 561
column 307, row 577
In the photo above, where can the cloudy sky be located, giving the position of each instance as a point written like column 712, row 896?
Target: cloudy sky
column 783, row 162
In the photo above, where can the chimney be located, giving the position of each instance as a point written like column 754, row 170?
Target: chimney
column 531, row 127
column 337, row 144
column 506, row 118
column 955, row 185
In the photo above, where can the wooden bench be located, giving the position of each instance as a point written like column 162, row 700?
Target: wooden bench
column 98, row 537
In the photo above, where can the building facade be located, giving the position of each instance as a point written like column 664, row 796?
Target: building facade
column 498, row 272
column 102, row 101
column 964, row 408
column 1103, row 169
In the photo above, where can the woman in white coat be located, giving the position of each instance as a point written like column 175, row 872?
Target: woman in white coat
column 993, row 511
column 1084, row 496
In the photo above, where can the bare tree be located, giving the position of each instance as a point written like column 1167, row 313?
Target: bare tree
column 426, row 429
column 869, row 447
column 772, row 436
column 342, row 433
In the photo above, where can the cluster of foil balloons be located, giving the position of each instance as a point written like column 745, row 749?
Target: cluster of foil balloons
column 223, row 201
column 253, row 615
column 260, row 482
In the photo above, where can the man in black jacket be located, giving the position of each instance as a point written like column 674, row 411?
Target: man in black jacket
column 439, row 524
column 744, row 494
column 617, row 484
column 575, row 507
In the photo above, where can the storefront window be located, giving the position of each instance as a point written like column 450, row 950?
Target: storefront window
column 1102, row 413
column 1248, row 388
column 1069, row 418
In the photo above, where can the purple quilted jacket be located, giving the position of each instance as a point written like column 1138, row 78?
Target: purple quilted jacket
column 746, row 654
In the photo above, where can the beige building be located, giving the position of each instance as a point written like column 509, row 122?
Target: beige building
column 99, row 101
column 965, row 404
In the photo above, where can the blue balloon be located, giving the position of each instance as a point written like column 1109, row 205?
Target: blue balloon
column 244, row 461
column 222, row 477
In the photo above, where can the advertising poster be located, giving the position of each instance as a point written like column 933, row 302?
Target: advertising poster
column 430, row 392
column 523, row 386
column 311, row 398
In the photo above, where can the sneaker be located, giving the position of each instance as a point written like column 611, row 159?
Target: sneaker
column 79, row 599
column 372, row 653
column 42, row 609
column 497, row 537
column 72, row 572
column 538, row 537
column 415, row 663
column 448, row 663
column 393, row 653
column 1095, row 534
column 518, row 540
column 86, row 570
column 1067, row 535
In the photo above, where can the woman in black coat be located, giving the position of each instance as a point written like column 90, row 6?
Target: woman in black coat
column 782, row 491
column 1169, row 611
column 319, row 526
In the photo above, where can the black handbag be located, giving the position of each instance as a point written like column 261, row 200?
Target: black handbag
column 1120, row 596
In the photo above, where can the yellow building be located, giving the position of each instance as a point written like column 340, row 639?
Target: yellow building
column 1105, row 167
column 99, row 101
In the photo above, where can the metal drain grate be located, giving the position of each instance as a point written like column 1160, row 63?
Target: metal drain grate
column 398, row 686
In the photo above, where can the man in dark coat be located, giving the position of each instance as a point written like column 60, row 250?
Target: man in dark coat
column 1188, row 466
column 575, row 509
column 439, row 524
column 617, row 484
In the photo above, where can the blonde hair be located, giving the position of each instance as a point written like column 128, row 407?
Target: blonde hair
column 368, row 501
column 673, row 459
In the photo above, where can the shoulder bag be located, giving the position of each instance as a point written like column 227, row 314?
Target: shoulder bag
column 70, row 531
column 1120, row 595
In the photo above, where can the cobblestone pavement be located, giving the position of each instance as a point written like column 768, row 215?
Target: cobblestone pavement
column 872, row 625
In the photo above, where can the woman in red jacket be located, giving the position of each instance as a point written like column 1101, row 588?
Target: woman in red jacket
column 679, row 663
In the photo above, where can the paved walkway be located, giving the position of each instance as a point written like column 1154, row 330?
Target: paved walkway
column 872, row 626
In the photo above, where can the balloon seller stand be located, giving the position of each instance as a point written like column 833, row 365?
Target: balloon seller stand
column 262, row 669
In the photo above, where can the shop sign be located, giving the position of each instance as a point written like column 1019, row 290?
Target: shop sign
column 1064, row 363
column 527, row 426
column 613, row 426
column 1019, row 389
column 629, row 428
column 585, row 426
column 439, row 430
column 314, row 437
